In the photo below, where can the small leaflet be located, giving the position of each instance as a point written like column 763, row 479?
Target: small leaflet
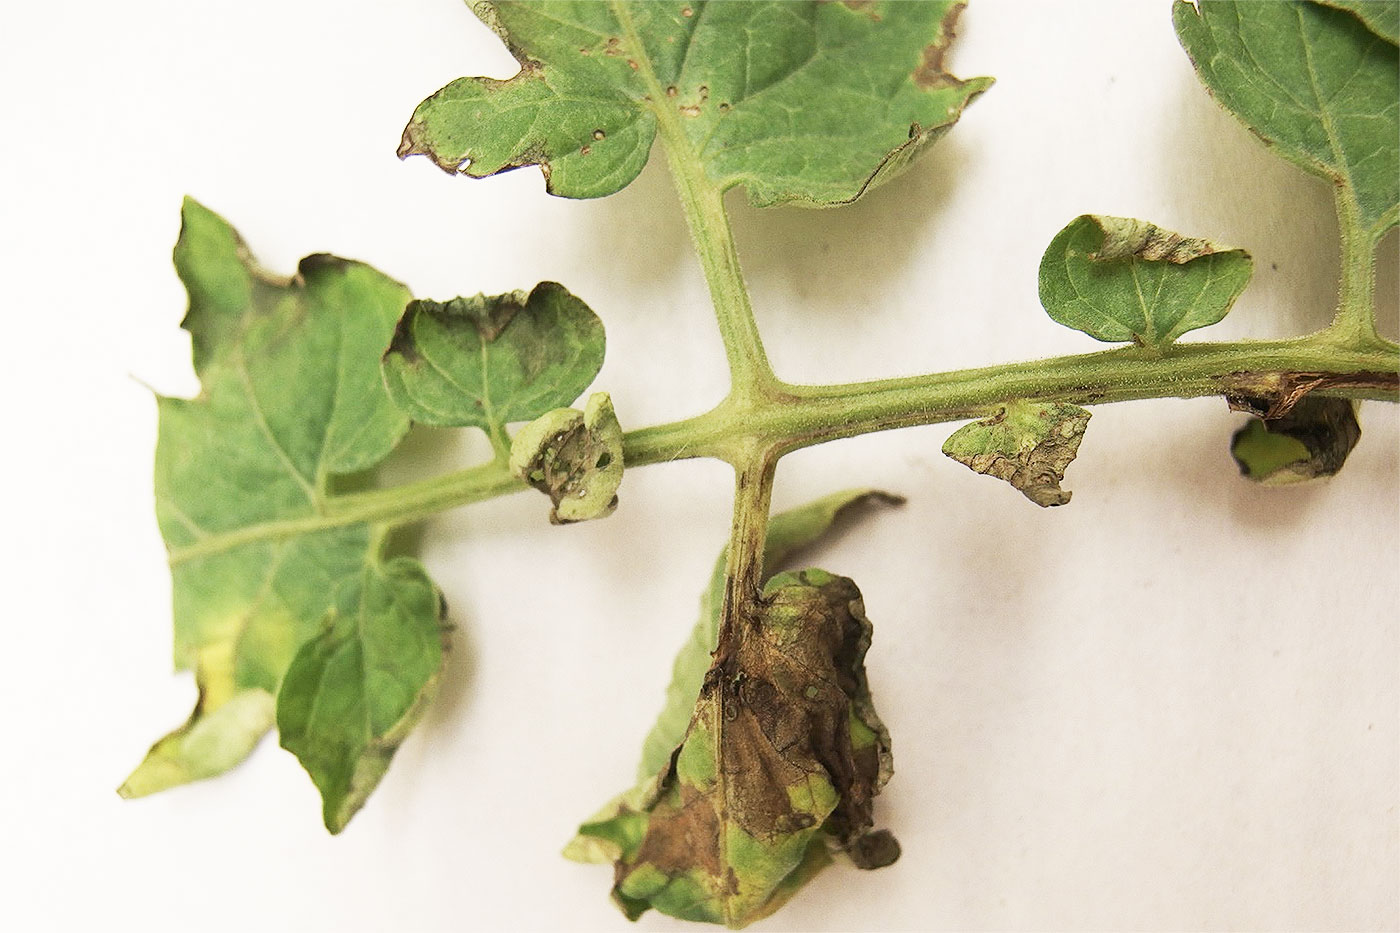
column 1028, row 444
column 1311, row 441
column 490, row 360
column 1120, row 279
column 354, row 692
column 574, row 457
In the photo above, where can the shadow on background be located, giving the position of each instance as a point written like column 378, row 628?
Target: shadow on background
column 1236, row 186
column 811, row 252
column 807, row 251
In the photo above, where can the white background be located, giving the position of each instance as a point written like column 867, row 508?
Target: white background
column 1171, row 704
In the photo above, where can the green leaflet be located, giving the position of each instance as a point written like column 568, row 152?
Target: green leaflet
column 353, row 692
column 488, row 361
column 1310, row 441
column 291, row 398
column 1381, row 16
column 574, row 457
column 620, row 826
column 797, row 101
column 1028, row 444
column 1115, row 278
column 1314, row 82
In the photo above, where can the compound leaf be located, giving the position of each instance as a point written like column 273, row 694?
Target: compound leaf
column 290, row 398
column 1311, row 440
column 488, row 361
column 1115, row 278
column 353, row 692
column 1028, row 444
column 1322, row 85
column 797, row 101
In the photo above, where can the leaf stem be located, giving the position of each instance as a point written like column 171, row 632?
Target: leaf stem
column 804, row 415
column 750, row 373
column 703, row 203
column 1271, row 370
column 394, row 505
column 748, row 532
column 751, row 436
column 1355, row 323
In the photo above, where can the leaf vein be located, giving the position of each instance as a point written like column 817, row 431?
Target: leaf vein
column 260, row 419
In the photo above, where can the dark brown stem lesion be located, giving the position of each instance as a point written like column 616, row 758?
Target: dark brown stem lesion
column 1273, row 395
column 748, row 534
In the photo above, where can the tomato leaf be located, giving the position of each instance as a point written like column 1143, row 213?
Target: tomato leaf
column 797, row 101
column 788, row 533
column 353, row 692
column 779, row 764
column 291, row 399
column 1321, row 85
column 488, row 361
column 1380, row 16
column 1115, row 278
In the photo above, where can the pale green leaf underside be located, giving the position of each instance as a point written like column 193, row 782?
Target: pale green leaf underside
column 1312, row 81
column 797, row 101
column 290, row 388
column 1118, row 279
column 353, row 692
column 1264, row 456
column 205, row 746
column 1311, row 441
column 487, row 361
column 291, row 397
